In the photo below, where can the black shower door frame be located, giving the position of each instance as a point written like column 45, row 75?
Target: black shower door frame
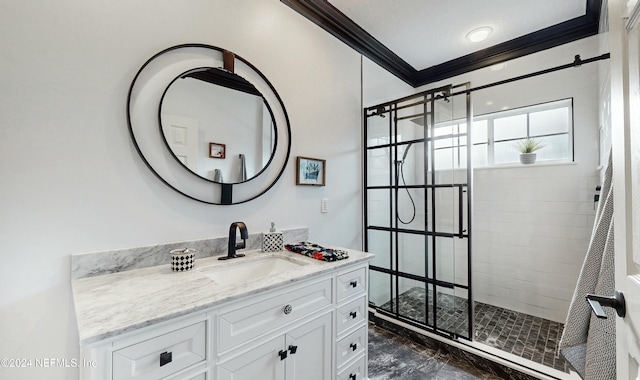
column 390, row 109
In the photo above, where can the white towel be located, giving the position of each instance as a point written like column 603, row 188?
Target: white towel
column 588, row 343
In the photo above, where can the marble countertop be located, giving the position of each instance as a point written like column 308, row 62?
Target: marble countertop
column 112, row 304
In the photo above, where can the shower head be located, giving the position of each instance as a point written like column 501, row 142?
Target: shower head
column 379, row 112
column 444, row 96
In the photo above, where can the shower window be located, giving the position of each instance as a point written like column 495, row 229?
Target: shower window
column 494, row 136
column 450, row 145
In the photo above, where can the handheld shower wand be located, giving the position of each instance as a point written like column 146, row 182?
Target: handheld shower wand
column 406, row 151
column 400, row 173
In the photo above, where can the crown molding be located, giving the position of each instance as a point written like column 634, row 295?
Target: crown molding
column 325, row 15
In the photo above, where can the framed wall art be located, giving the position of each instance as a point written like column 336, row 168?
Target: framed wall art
column 217, row 150
column 310, row 171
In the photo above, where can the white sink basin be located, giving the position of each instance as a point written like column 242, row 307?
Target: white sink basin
column 246, row 269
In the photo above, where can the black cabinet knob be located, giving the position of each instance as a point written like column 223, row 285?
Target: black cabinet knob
column 352, row 376
column 353, row 346
column 293, row 349
column 165, row 358
column 353, row 284
column 353, row 314
column 282, row 354
column 287, row 309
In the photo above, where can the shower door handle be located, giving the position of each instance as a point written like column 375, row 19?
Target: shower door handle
column 597, row 302
column 461, row 229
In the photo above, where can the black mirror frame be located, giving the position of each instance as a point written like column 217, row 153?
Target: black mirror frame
column 226, row 190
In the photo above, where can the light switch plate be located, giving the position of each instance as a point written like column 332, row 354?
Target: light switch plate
column 324, row 205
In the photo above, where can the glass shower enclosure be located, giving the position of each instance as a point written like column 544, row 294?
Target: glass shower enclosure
column 418, row 211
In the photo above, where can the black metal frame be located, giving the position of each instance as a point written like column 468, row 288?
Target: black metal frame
column 427, row 98
column 226, row 189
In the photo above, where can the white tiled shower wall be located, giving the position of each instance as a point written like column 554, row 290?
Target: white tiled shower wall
column 531, row 232
column 532, row 224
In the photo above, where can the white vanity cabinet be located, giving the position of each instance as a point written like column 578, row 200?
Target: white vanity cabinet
column 314, row 328
column 302, row 353
column 283, row 335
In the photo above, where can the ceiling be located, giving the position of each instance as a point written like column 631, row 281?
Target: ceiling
column 423, row 41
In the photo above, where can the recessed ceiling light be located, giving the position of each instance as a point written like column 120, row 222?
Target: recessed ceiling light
column 479, row 34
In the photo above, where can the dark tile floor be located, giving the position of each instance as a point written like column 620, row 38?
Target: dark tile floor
column 529, row 337
column 398, row 358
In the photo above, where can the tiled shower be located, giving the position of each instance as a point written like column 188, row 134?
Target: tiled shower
column 529, row 230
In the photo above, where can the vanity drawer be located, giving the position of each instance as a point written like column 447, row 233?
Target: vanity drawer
column 199, row 376
column 351, row 283
column 200, row 372
column 355, row 371
column 262, row 316
column 351, row 346
column 163, row 355
column 351, row 314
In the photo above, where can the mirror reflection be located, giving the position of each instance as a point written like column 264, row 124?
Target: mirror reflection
column 218, row 125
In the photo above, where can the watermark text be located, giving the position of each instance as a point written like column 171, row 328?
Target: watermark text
column 46, row 363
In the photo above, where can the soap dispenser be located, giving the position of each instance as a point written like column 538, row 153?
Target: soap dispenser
column 272, row 241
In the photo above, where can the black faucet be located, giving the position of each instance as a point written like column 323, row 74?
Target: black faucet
column 244, row 234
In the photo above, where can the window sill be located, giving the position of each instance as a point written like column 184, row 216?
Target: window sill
column 536, row 165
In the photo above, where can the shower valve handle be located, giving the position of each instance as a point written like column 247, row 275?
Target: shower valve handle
column 597, row 302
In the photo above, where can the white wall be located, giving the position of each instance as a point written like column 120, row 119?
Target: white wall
column 71, row 180
column 379, row 86
column 531, row 225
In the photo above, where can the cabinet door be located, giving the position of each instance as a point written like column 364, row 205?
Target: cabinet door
column 262, row 362
column 309, row 349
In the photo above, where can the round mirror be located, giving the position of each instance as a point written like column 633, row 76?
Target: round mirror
column 218, row 125
column 234, row 154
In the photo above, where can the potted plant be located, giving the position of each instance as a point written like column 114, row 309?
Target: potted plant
column 528, row 148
